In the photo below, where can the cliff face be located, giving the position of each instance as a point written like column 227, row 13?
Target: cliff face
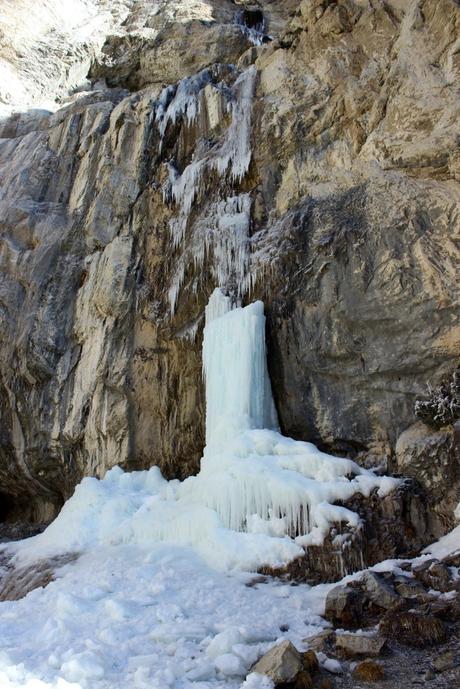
column 318, row 171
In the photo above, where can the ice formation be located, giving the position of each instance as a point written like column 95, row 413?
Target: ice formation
column 223, row 234
column 238, row 391
column 259, row 497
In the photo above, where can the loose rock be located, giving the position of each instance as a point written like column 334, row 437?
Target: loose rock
column 412, row 628
column 344, row 605
column 379, row 591
column 359, row 644
column 282, row 663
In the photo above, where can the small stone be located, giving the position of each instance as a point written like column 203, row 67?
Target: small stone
column 429, row 675
column 444, row 662
column 359, row 644
column 281, row 663
column 368, row 671
column 380, row 592
column 310, row 661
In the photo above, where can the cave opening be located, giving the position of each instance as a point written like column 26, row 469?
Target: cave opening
column 7, row 507
column 253, row 19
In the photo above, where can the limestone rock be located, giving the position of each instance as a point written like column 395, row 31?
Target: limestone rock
column 281, row 663
column 360, row 644
column 319, row 642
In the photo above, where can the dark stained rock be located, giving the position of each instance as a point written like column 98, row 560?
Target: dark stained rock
column 435, row 575
column 432, row 457
column 310, row 661
column 394, row 526
column 344, row 605
column 17, row 581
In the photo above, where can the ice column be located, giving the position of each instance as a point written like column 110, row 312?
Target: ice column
column 238, row 390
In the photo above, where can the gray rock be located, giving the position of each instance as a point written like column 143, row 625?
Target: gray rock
column 344, row 605
column 281, row 663
column 379, row 591
column 433, row 458
column 360, row 644
column 408, row 588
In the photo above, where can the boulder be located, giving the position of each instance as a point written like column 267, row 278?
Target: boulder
column 360, row 644
column 381, row 593
column 432, row 457
column 344, row 606
column 434, row 575
column 281, row 663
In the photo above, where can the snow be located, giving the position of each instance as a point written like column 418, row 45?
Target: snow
column 446, row 545
column 162, row 595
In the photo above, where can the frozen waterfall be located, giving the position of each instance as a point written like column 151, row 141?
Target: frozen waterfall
column 238, row 390
column 259, row 497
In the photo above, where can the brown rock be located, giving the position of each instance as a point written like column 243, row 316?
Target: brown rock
column 368, row 671
column 303, row 680
column 435, row 575
column 310, row 661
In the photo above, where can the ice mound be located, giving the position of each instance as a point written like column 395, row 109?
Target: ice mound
column 259, row 497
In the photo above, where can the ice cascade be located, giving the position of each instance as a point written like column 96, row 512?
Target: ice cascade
column 259, row 499
column 238, row 390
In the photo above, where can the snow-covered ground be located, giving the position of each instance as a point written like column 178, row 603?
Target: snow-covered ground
column 130, row 616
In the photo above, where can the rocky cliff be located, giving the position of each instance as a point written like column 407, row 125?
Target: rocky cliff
column 315, row 143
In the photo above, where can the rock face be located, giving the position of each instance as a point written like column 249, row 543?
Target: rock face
column 324, row 161
column 432, row 456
